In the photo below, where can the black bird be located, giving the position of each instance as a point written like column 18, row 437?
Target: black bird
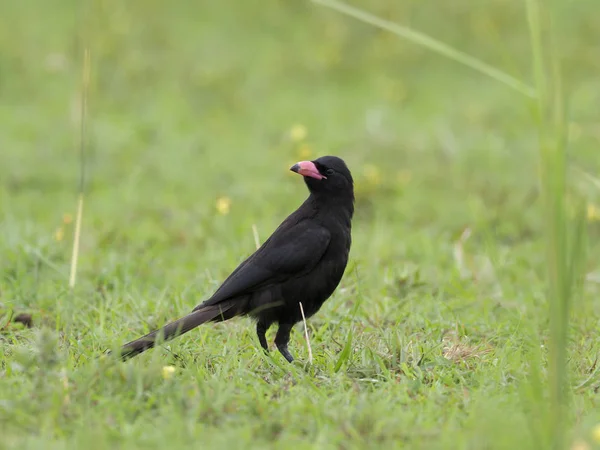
column 302, row 262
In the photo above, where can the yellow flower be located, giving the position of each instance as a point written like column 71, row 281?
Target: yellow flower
column 298, row 132
column 304, row 151
column 596, row 433
column 223, row 205
column 168, row 372
column 372, row 174
column 59, row 234
column 593, row 215
column 67, row 218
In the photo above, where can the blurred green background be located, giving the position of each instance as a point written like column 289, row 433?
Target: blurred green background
column 196, row 112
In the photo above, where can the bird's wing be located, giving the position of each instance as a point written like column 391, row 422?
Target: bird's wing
column 287, row 253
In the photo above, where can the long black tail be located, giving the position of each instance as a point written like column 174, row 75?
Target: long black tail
column 177, row 328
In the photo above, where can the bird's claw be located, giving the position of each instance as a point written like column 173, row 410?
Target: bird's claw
column 283, row 349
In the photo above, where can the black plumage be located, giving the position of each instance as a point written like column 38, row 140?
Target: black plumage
column 302, row 261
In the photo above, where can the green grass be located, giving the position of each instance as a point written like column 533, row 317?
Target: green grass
column 436, row 335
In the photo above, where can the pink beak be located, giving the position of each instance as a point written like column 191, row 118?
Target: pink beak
column 307, row 169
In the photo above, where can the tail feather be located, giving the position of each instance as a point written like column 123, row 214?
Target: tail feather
column 175, row 329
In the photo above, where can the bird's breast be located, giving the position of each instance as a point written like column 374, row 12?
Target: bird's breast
column 318, row 285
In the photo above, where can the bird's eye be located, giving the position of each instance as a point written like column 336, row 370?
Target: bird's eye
column 329, row 172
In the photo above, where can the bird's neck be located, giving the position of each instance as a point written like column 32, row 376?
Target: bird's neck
column 342, row 206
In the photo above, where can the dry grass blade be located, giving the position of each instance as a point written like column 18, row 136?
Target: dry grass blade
column 255, row 234
column 457, row 351
column 310, row 355
column 83, row 114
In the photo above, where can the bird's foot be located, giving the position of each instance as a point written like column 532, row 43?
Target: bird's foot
column 261, row 331
column 281, row 340
column 283, row 349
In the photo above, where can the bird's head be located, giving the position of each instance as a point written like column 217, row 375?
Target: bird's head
column 327, row 175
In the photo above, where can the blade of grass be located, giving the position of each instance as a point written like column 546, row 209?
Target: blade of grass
column 431, row 44
column 345, row 353
column 82, row 137
column 310, row 354
column 255, row 235
column 564, row 237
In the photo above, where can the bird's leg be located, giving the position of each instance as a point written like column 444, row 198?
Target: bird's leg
column 282, row 338
column 261, row 331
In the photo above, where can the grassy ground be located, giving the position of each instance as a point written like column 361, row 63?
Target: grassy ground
column 197, row 111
